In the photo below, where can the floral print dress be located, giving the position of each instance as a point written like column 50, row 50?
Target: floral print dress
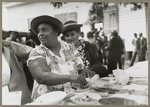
column 81, row 51
column 69, row 63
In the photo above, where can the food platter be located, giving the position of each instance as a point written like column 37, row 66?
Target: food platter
column 117, row 101
column 86, row 98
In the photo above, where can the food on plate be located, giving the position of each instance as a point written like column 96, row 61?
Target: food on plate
column 85, row 98
column 79, row 88
column 117, row 101
column 104, row 94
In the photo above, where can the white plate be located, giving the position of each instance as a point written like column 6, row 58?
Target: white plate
column 77, row 99
column 51, row 98
column 107, row 78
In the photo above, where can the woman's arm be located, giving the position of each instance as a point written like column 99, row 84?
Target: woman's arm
column 42, row 74
column 20, row 50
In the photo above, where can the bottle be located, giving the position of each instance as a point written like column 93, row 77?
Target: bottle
column 67, row 87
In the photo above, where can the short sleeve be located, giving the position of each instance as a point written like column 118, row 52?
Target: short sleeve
column 36, row 53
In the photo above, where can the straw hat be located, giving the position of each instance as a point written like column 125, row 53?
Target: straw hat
column 45, row 19
column 70, row 25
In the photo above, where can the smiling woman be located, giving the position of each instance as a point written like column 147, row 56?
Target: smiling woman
column 53, row 63
column 47, row 34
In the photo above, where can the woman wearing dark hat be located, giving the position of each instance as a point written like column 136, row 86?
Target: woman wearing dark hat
column 88, row 52
column 52, row 63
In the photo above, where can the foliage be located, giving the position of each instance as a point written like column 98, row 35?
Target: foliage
column 96, row 11
column 57, row 4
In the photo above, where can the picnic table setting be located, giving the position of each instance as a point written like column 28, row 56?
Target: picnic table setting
column 123, row 87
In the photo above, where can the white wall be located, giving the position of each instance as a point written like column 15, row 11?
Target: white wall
column 4, row 19
column 131, row 22
column 18, row 16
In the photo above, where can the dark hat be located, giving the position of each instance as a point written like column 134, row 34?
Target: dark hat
column 45, row 19
column 70, row 25
column 114, row 33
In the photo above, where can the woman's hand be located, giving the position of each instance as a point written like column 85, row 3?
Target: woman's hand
column 87, row 73
column 79, row 79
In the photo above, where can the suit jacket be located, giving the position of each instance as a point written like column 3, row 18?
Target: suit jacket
column 116, row 46
column 143, row 44
column 92, row 56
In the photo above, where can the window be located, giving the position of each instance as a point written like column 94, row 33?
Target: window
column 67, row 16
column 111, row 18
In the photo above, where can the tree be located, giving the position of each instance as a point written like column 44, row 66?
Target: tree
column 57, row 4
column 96, row 11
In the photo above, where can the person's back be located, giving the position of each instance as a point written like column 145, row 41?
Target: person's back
column 116, row 46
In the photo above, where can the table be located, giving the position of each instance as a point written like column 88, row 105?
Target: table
column 136, row 90
column 139, row 95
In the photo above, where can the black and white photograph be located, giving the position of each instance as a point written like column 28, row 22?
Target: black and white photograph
column 75, row 53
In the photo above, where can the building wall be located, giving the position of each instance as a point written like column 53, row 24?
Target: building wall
column 131, row 22
column 110, row 19
column 4, row 19
column 19, row 16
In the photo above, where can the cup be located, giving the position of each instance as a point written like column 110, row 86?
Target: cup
column 67, row 87
column 121, row 76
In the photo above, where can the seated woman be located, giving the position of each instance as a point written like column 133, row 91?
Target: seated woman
column 52, row 63
column 88, row 52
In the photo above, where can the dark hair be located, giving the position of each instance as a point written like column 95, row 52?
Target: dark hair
column 15, row 34
column 82, row 34
column 34, row 37
column 5, row 34
column 135, row 34
column 89, row 35
column 115, row 33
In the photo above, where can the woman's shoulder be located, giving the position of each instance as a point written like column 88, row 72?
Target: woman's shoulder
column 37, row 51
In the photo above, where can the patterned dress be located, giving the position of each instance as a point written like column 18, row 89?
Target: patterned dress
column 68, row 63
column 81, row 50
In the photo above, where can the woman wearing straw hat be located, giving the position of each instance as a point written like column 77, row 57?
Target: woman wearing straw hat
column 88, row 52
column 52, row 63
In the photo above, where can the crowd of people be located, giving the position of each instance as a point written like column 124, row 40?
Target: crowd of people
column 54, row 62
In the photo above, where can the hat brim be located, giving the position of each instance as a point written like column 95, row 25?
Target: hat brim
column 71, row 27
column 45, row 19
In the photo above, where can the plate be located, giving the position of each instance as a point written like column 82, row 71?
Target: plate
column 107, row 78
column 117, row 101
column 51, row 98
column 86, row 98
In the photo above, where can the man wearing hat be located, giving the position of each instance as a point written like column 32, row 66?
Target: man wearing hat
column 87, row 51
column 115, row 49
column 52, row 63
column 142, row 42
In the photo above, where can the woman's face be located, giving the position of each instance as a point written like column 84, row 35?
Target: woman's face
column 71, row 36
column 46, row 34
